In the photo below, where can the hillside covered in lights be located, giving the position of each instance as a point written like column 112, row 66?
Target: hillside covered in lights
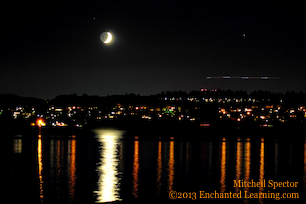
column 197, row 109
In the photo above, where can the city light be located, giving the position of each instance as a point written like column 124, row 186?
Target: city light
column 40, row 122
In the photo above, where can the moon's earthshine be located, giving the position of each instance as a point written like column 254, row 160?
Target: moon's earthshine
column 106, row 37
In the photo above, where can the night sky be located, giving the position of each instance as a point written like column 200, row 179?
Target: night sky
column 51, row 48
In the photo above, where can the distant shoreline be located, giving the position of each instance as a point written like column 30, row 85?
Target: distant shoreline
column 154, row 129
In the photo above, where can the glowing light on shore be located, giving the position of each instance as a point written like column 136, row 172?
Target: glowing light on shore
column 40, row 122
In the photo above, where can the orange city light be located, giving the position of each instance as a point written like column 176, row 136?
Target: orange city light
column 40, row 122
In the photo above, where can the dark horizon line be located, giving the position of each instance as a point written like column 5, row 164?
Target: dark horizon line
column 168, row 91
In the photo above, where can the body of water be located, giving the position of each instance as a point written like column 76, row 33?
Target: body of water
column 116, row 166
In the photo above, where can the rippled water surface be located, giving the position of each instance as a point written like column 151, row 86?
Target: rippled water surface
column 117, row 166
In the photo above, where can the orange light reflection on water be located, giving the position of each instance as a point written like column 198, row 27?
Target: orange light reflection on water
column 40, row 166
column 171, row 165
column 223, row 166
column 159, row 167
column 17, row 145
column 247, row 161
column 72, row 167
column 262, row 167
column 239, row 154
column 135, row 168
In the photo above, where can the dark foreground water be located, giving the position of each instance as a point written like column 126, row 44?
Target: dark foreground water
column 115, row 166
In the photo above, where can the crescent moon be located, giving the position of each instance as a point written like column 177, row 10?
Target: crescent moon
column 108, row 39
